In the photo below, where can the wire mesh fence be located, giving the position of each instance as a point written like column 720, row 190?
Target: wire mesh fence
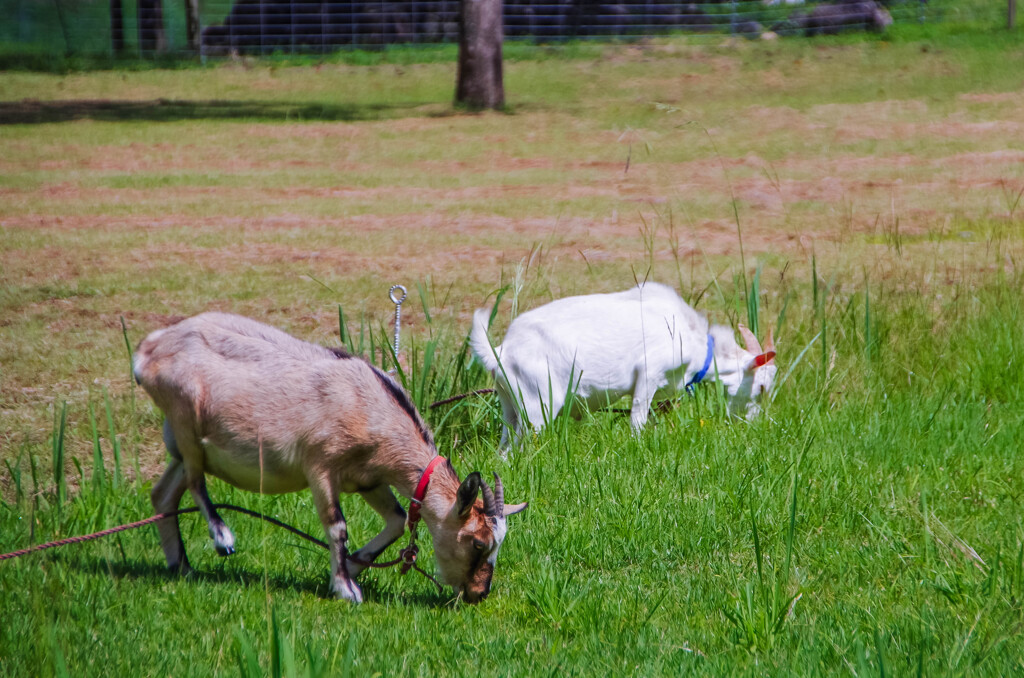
column 219, row 27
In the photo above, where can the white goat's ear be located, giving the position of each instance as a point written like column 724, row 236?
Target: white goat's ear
column 515, row 508
column 760, row 360
column 752, row 344
column 466, row 496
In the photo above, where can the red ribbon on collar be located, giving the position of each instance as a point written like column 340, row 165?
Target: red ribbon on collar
column 421, row 492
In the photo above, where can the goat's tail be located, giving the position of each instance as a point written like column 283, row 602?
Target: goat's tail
column 479, row 342
column 140, row 357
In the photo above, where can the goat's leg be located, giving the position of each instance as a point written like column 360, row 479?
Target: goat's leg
column 191, row 453
column 325, row 497
column 509, row 419
column 166, row 497
column 383, row 501
column 220, row 533
column 533, row 408
column 530, row 419
column 639, row 411
column 643, row 394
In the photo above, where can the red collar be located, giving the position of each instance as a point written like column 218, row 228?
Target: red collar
column 421, row 492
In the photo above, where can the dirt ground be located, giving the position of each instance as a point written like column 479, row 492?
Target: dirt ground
column 155, row 221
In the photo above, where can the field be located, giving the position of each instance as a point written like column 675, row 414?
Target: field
column 862, row 197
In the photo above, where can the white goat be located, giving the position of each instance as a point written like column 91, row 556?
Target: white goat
column 269, row 413
column 645, row 342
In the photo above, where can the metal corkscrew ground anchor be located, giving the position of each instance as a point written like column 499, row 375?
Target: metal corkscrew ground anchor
column 398, row 313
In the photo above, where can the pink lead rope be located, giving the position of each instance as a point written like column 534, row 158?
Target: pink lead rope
column 407, row 556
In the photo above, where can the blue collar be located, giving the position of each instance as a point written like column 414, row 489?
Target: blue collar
column 697, row 378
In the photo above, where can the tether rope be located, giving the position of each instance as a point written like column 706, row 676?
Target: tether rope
column 407, row 556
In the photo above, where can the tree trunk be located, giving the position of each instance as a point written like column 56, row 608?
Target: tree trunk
column 479, row 83
column 117, row 27
column 192, row 24
column 152, row 37
column 1011, row 13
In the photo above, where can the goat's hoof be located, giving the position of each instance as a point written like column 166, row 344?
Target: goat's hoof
column 348, row 591
column 223, row 540
column 182, row 569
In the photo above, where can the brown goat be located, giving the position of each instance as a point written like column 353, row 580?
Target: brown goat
column 269, row 413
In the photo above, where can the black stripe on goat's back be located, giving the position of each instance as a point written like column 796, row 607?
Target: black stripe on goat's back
column 403, row 401
column 339, row 353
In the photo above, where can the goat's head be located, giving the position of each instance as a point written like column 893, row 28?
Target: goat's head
column 748, row 374
column 467, row 539
column 760, row 369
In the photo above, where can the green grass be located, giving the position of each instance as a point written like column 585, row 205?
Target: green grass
column 870, row 523
column 871, row 517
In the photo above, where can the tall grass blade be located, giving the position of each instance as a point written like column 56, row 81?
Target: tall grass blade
column 362, row 334
column 423, row 379
column 880, row 651
column 926, row 537
column 342, row 330
column 315, row 663
column 780, row 590
column 868, row 337
column 282, row 661
column 16, row 475
column 37, row 498
column 59, row 430
column 245, row 657
column 348, row 660
column 128, row 347
column 754, row 302
column 497, row 301
column 819, row 310
column 757, row 545
column 423, row 301
column 792, row 366
column 1017, row 572
column 115, row 444
column 98, row 467
column 60, row 665
column 814, row 282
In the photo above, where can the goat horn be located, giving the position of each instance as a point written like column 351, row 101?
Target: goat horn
column 753, row 345
column 769, row 344
column 488, row 495
column 499, row 495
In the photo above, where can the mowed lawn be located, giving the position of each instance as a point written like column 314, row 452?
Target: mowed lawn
column 864, row 199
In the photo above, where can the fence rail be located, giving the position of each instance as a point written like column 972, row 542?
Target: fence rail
column 146, row 27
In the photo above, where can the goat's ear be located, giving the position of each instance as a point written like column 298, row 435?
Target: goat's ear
column 515, row 508
column 760, row 360
column 467, row 493
column 752, row 344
